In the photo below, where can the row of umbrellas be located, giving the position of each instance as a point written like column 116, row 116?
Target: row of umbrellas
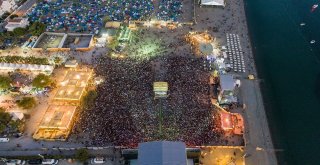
column 235, row 53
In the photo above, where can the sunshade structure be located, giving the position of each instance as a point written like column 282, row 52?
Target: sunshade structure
column 30, row 67
column 162, row 153
column 213, row 2
column 113, row 24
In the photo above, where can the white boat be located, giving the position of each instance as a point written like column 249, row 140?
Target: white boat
column 302, row 24
column 312, row 41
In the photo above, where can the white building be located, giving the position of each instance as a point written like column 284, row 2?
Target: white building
column 212, row 2
column 16, row 23
column 7, row 5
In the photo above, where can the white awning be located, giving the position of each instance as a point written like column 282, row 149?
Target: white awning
column 213, row 2
column 32, row 67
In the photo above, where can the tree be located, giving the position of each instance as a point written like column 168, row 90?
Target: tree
column 5, row 15
column 4, row 119
column 106, row 19
column 13, row 16
column 57, row 60
column 16, row 125
column 37, row 28
column 19, row 31
column 4, row 82
column 27, row 102
column 41, row 81
column 82, row 155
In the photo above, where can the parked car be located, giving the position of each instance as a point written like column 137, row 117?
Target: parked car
column 3, row 140
column 15, row 162
column 35, row 161
column 50, row 161
column 97, row 160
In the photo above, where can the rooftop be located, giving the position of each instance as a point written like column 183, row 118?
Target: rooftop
column 58, row 117
column 162, row 153
column 73, row 85
column 63, row 40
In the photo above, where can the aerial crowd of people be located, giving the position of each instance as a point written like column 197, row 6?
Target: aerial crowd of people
column 126, row 112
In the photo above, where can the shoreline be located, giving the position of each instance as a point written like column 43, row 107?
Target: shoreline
column 233, row 19
column 268, row 146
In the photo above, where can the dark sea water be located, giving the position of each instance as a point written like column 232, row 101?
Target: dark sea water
column 290, row 68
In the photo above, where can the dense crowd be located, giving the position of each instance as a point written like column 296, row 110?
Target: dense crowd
column 126, row 113
column 89, row 15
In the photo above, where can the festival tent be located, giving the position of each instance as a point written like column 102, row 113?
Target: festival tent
column 31, row 67
column 113, row 24
column 213, row 2
column 17, row 115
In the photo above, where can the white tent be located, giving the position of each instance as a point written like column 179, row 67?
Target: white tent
column 213, row 2
column 31, row 67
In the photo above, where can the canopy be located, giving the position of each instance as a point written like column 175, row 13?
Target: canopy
column 31, row 67
column 213, row 2
column 113, row 24
column 162, row 153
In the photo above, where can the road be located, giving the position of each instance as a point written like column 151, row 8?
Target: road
column 23, row 9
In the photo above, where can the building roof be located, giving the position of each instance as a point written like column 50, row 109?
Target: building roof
column 58, row 116
column 162, row 153
column 73, row 85
column 227, row 82
column 213, row 2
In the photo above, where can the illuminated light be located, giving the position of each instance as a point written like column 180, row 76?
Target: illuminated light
column 78, row 76
column 64, row 83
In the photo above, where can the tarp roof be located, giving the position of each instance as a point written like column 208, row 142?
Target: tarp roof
column 162, row 153
column 213, row 2
column 227, row 82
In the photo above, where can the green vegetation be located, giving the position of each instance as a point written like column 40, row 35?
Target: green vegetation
column 18, row 32
column 37, row 28
column 113, row 44
column 57, row 60
column 27, row 102
column 13, row 16
column 4, row 16
column 106, row 19
column 82, row 155
column 41, row 81
column 24, row 60
column 4, row 82
column 4, row 119
column 88, row 100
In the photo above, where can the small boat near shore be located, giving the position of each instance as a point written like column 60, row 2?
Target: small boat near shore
column 312, row 41
column 302, row 24
column 314, row 7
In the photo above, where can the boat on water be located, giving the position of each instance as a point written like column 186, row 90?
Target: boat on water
column 314, row 7
column 302, row 24
column 312, row 41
